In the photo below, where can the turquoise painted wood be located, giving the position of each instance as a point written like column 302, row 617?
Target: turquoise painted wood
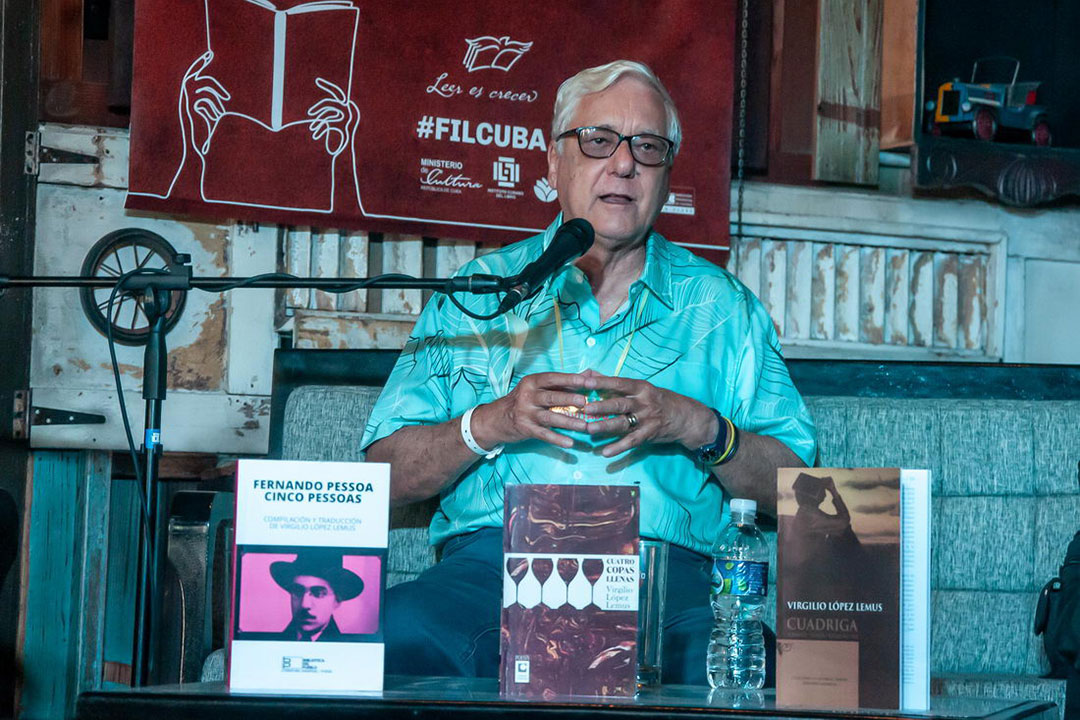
column 64, row 593
column 125, row 513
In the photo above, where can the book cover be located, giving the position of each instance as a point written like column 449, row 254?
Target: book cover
column 309, row 576
column 853, row 597
column 570, row 591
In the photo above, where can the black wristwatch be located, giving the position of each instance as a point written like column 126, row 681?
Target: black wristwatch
column 723, row 448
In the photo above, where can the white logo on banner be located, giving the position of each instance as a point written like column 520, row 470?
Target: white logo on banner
column 543, row 190
column 506, row 172
column 497, row 53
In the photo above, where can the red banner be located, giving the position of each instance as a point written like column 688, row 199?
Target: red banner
column 428, row 118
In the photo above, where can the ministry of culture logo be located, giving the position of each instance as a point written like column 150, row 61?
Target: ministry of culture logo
column 499, row 53
column 543, row 190
column 506, row 172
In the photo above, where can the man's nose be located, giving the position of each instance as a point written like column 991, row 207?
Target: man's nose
column 307, row 601
column 622, row 160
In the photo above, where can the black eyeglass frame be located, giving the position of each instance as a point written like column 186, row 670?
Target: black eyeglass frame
column 615, row 148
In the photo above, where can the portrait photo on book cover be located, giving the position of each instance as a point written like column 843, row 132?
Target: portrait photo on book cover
column 311, row 594
column 839, row 530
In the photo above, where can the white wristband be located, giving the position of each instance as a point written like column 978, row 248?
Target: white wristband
column 470, row 441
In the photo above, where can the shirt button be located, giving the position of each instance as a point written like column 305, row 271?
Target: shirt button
column 577, row 475
column 590, row 341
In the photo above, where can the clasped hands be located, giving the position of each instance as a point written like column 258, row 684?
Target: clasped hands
column 633, row 412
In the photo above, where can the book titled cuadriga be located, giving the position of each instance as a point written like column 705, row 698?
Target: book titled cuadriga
column 853, row 588
column 570, row 591
column 308, row 576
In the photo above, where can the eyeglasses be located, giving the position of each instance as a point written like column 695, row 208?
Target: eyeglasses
column 600, row 143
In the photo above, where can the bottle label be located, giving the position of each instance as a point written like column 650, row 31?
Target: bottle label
column 740, row 577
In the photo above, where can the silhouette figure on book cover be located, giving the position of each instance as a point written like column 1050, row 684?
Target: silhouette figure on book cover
column 317, row 583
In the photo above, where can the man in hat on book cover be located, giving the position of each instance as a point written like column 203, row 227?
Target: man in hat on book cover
column 317, row 583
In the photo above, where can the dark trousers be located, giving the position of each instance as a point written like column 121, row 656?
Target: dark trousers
column 446, row 622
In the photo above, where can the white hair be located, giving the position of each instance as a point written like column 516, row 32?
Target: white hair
column 600, row 78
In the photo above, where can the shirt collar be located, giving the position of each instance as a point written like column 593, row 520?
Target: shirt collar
column 656, row 275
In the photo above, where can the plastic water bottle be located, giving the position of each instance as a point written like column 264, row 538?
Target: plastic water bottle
column 740, row 574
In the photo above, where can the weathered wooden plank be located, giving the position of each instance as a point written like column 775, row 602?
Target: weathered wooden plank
column 108, row 145
column 774, row 281
column 848, row 98
column 315, row 329
column 354, row 263
column 971, row 302
column 61, row 45
column 921, row 295
column 872, row 295
column 89, row 588
column 249, row 356
column 403, row 254
column 899, row 46
column 325, row 249
column 125, row 513
column 451, row 255
column 298, row 262
column 897, row 297
column 823, row 292
column 847, row 293
column 732, row 263
column 799, row 282
column 749, row 264
column 945, row 299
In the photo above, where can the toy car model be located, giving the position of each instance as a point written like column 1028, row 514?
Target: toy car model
column 992, row 101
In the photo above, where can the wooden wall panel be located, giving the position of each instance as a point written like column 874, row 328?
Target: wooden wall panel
column 946, row 299
column 847, row 293
column 799, row 294
column 823, row 292
column 921, row 293
column 848, row 100
column 897, row 297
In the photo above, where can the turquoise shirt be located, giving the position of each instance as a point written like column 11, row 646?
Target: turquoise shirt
column 700, row 333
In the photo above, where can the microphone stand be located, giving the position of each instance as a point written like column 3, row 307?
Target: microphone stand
column 157, row 289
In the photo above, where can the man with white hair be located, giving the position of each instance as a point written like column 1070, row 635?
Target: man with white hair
column 679, row 359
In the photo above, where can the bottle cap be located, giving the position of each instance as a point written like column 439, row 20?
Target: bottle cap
column 743, row 505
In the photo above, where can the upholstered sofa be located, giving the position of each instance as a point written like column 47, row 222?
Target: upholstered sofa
column 1002, row 442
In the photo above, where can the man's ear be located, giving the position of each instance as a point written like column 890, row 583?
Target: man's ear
column 553, row 159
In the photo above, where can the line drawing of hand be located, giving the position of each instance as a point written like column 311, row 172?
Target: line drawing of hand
column 334, row 118
column 204, row 98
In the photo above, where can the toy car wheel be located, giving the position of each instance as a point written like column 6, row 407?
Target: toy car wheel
column 984, row 125
column 1040, row 133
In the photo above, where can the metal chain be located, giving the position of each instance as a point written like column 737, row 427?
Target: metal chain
column 741, row 158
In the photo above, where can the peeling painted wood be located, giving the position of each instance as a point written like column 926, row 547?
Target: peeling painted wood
column 451, row 255
column 749, row 264
column 327, row 331
column 897, row 297
column 971, row 301
column 191, row 421
column 732, row 263
column 249, row 353
column 403, row 254
column 872, row 295
column 298, row 262
column 325, row 253
column 921, row 293
column 847, row 293
column 774, row 281
column 799, row 281
column 946, row 299
column 108, row 145
column 354, row 263
column 823, row 292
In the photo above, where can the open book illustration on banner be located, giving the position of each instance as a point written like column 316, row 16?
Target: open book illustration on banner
column 498, row 53
column 273, row 87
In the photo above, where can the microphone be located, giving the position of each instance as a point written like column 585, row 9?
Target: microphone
column 571, row 241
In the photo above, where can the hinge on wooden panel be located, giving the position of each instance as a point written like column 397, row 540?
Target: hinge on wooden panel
column 18, row 414
column 55, row 416
column 33, row 143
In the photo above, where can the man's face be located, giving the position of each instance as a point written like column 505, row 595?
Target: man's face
column 619, row 196
column 313, row 602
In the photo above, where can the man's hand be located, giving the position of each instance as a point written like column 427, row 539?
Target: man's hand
column 662, row 416
column 525, row 412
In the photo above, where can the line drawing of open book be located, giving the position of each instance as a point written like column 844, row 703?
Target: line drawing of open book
column 499, row 53
column 267, row 108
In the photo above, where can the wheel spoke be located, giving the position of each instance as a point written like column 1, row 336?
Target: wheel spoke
column 119, row 262
column 134, row 314
column 116, row 314
column 148, row 258
column 108, row 270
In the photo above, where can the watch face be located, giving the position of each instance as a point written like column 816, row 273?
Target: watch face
column 708, row 454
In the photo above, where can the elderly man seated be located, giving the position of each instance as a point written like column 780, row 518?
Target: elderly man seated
column 679, row 359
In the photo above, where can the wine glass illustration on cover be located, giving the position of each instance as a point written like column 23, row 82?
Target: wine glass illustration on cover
column 516, row 568
column 593, row 568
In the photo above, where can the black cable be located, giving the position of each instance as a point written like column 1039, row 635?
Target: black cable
column 470, row 313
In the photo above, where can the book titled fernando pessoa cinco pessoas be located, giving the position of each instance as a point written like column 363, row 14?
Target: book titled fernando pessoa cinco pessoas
column 308, row 576
column 853, row 588
column 570, row 591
